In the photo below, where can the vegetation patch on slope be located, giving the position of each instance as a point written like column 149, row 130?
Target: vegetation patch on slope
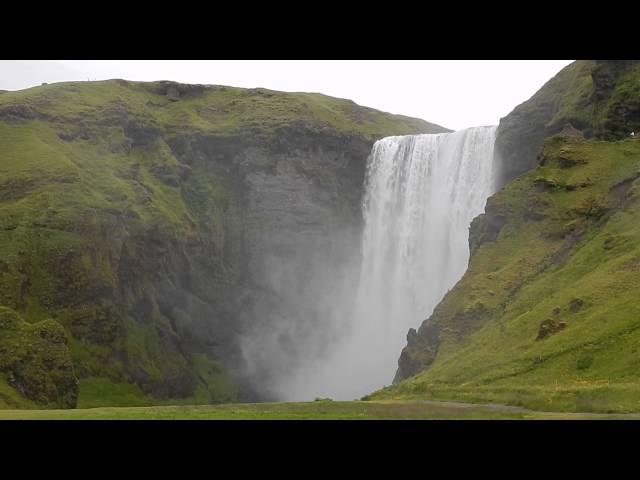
column 35, row 363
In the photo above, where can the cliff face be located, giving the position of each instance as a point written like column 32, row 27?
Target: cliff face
column 296, row 223
column 544, row 316
column 155, row 223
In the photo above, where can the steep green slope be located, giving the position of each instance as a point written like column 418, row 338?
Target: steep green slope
column 600, row 98
column 547, row 315
column 122, row 218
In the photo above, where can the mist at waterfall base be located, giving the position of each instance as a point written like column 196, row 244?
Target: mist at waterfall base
column 421, row 194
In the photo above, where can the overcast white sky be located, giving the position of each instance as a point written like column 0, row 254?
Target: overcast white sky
column 453, row 93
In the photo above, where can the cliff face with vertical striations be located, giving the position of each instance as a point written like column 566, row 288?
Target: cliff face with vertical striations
column 152, row 226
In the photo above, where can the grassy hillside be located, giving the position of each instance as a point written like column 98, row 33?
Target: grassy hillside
column 601, row 98
column 547, row 315
column 205, row 108
column 120, row 222
column 35, row 362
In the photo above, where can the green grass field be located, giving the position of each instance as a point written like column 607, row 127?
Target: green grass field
column 319, row 410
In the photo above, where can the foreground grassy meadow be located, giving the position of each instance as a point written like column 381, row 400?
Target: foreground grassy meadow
column 319, row 410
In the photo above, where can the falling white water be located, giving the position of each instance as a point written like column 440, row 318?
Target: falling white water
column 421, row 194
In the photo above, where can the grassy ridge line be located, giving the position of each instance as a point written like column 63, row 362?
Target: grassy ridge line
column 209, row 109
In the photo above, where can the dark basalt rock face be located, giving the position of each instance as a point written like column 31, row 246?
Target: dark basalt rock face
column 486, row 227
column 292, row 209
column 422, row 345
column 420, row 351
column 296, row 216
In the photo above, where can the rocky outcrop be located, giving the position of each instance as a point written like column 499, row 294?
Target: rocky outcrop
column 421, row 351
column 550, row 327
column 486, row 227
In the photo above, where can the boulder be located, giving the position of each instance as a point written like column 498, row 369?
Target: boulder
column 550, row 327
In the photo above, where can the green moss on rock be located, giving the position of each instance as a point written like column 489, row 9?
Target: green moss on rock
column 36, row 361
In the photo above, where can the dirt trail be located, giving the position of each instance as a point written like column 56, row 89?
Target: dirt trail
column 498, row 407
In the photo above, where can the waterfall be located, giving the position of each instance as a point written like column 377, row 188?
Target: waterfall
column 421, row 194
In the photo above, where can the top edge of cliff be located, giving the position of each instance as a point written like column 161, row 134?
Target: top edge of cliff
column 210, row 109
column 417, row 135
